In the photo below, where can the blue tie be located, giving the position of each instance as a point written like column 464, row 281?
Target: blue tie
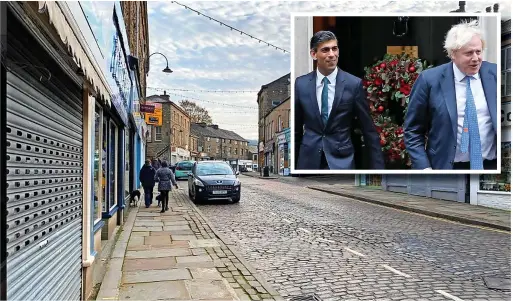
column 324, row 101
column 470, row 135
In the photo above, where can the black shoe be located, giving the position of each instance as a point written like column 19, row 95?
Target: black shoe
column 162, row 211
column 167, row 208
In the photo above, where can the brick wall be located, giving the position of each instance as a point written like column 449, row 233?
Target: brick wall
column 135, row 15
column 226, row 145
column 181, row 127
column 155, row 146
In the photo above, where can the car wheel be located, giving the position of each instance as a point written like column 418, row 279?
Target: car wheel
column 236, row 199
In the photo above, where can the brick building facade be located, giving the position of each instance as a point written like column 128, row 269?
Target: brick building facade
column 170, row 141
column 269, row 97
column 135, row 15
column 219, row 144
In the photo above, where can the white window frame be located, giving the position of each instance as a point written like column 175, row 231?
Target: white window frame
column 101, row 193
column 116, row 134
column 506, row 70
column 156, row 133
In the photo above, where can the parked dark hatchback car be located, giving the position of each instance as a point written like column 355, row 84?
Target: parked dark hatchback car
column 210, row 180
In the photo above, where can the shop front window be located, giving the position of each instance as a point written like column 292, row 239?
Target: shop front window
column 97, row 175
column 112, row 165
column 502, row 181
column 128, row 162
column 104, row 164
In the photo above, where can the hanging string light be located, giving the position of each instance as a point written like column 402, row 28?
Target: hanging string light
column 232, row 28
column 183, row 97
column 204, row 91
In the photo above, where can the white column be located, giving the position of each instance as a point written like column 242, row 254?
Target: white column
column 88, row 159
column 490, row 25
column 474, row 187
column 303, row 31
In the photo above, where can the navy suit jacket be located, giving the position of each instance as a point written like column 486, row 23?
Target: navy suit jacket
column 335, row 138
column 432, row 111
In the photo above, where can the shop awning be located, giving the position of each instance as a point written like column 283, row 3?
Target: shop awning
column 71, row 36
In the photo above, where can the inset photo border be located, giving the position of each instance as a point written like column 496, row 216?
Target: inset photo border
column 386, row 93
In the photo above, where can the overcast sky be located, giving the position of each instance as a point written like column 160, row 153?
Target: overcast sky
column 207, row 56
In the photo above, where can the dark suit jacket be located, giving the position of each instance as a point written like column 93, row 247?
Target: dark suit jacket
column 433, row 110
column 335, row 139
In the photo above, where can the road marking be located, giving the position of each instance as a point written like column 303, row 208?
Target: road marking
column 449, row 295
column 354, row 252
column 326, row 240
column 391, row 269
column 287, row 221
column 304, row 230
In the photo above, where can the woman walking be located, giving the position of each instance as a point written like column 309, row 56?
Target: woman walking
column 165, row 176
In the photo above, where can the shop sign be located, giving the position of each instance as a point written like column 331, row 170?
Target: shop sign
column 506, row 114
column 269, row 146
column 287, row 134
column 281, row 139
column 147, row 108
column 122, row 83
column 154, row 118
column 182, row 152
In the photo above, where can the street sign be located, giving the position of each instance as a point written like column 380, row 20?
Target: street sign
column 147, row 108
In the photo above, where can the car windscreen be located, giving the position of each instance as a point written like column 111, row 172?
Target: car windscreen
column 185, row 165
column 213, row 169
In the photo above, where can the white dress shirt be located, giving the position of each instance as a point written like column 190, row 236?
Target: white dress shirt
column 484, row 120
column 331, row 89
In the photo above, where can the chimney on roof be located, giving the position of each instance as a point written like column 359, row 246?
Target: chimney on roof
column 496, row 8
column 214, row 126
column 164, row 96
column 202, row 124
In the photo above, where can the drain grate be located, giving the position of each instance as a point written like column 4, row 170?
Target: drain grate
column 313, row 297
column 498, row 283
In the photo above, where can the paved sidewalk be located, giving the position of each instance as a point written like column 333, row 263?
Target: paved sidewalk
column 177, row 256
column 460, row 212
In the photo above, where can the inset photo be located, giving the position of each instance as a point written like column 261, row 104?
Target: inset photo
column 407, row 94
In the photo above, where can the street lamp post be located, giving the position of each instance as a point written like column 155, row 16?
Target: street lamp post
column 165, row 70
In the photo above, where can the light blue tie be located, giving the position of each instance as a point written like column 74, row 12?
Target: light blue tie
column 324, row 101
column 470, row 135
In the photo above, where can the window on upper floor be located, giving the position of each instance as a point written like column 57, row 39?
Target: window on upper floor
column 158, row 133
column 506, row 71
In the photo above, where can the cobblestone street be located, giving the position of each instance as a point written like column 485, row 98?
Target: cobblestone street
column 304, row 241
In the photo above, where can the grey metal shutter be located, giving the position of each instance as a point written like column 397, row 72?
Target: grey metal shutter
column 44, row 193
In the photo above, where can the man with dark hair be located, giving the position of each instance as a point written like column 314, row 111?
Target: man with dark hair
column 325, row 103
column 147, row 178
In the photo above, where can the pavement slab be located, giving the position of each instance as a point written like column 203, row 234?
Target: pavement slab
column 176, row 256
column 162, row 290
column 156, row 275
column 160, row 263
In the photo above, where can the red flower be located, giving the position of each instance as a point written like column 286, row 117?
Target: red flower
column 393, row 63
column 378, row 82
column 383, row 142
column 405, row 89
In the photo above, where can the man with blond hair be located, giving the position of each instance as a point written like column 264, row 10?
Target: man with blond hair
column 454, row 106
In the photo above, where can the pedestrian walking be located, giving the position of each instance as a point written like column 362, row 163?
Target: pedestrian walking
column 165, row 177
column 147, row 179
column 155, row 164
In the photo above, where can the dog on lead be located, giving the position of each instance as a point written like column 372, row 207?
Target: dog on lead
column 159, row 199
column 135, row 197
